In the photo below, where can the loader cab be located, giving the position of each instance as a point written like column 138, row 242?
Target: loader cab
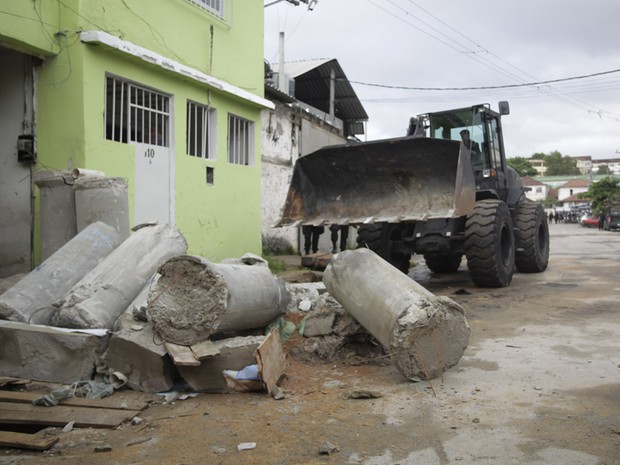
column 479, row 129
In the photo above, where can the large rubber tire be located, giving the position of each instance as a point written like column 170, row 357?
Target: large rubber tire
column 443, row 263
column 490, row 244
column 378, row 237
column 532, row 237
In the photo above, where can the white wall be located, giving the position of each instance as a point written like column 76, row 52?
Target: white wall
column 280, row 144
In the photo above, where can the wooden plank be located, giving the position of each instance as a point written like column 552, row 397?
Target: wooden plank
column 124, row 401
column 84, row 417
column 181, row 355
column 26, row 441
column 271, row 360
column 9, row 380
column 205, row 349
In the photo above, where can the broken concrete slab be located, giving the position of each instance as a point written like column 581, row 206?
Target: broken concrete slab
column 31, row 299
column 98, row 299
column 235, row 354
column 133, row 351
column 195, row 299
column 424, row 334
column 136, row 351
column 44, row 353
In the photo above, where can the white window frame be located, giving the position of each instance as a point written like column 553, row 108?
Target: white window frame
column 215, row 7
column 240, row 140
column 201, row 130
column 134, row 113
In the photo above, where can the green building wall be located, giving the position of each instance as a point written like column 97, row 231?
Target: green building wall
column 219, row 220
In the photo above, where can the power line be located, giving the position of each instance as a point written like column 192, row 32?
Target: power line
column 505, row 86
column 476, row 55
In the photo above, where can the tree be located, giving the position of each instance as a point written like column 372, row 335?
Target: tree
column 538, row 156
column 603, row 169
column 558, row 165
column 604, row 194
column 522, row 166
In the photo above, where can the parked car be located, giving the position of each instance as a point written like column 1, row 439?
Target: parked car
column 590, row 222
column 613, row 220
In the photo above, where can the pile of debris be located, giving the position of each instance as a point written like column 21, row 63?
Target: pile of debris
column 136, row 310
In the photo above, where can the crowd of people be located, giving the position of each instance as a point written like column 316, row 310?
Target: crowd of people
column 564, row 217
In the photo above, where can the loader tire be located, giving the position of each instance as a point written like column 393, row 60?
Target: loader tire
column 378, row 238
column 531, row 237
column 443, row 263
column 490, row 244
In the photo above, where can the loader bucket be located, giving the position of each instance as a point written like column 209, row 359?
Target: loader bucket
column 392, row 180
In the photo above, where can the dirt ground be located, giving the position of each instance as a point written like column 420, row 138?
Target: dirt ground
column 538, row 384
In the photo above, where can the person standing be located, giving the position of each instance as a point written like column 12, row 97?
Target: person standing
column 601, row 221
column 344, row 235
column 311, row 237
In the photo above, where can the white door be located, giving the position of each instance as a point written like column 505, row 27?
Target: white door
column 149, row 114
column 152, row 184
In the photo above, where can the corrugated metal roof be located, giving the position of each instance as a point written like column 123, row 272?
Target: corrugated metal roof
column 312, row 84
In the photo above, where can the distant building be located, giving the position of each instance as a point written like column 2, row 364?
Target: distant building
column 612, row 163
column 572, row 187
column 538, row 191
column 584, row 164
column 538, row 165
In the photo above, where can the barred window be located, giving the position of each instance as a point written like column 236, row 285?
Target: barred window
column 201, row 124
column 136, row 114
column 240, row 140
column 214, row 6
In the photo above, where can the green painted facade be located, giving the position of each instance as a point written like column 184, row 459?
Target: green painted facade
column 218, row 220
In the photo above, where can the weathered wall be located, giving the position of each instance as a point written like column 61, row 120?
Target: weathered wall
column 287, row 134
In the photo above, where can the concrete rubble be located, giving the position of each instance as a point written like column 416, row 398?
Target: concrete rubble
column 424, row 334
column 49, row 354
column 165, row 317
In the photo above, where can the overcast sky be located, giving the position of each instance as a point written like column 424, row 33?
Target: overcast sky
column 475, row 43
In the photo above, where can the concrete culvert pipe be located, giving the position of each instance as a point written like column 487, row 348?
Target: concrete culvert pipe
column 194, row 299
column 424, row 334
column 100, row 297
column 30, row 300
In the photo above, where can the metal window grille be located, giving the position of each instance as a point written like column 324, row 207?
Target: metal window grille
column 200, row 133
column 136, row 114
column 214, row 6
column 116, row 116
column 150, row 115
column 240, row 140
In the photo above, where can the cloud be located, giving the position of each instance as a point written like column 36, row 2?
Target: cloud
column 471, row 44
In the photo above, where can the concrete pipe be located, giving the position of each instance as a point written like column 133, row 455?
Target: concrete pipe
column 58, row 222
column 30, row 299
column 195, row 299
column 424, row 334
column 106, row 292
column 102, row 199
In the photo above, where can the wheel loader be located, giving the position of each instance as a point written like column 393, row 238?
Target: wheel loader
column 443, row 191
